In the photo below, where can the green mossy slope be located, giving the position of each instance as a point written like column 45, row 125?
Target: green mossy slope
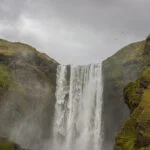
column 123, row 67
column 5, row 78
column 27, row 92
column 135, row 134
column 5, row 144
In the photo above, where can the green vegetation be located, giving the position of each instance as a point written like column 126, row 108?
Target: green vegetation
column 133, row 92
column 22, row 50
column 135, row 134
column 27, row 86
column 123, row 67
column 5, row 144
column 118, row 70
column 117, row 65
column 5, row 77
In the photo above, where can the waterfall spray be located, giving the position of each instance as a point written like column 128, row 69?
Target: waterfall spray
column 77, row 122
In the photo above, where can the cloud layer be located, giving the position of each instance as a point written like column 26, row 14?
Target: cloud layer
column 75, row 31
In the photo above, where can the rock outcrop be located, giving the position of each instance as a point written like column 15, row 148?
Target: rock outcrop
column 27, row 92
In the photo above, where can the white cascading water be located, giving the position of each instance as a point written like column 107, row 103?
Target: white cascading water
column 77, row 122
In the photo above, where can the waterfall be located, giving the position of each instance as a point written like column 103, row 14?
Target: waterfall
column 77, row 120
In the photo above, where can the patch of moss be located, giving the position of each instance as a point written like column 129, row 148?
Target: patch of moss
column 5, row 144
column 5, row 77
column 132, row 94
column 129, row 132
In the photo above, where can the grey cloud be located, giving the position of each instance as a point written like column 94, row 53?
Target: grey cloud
column 75, row 31
column 10, row 10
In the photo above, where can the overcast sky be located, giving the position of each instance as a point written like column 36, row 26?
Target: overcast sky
column 75, row 31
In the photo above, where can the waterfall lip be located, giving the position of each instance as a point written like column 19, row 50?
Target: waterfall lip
column 78, row 109
column 77, row 65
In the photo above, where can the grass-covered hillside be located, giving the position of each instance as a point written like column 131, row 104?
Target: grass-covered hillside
column 118, row 70
column 135, row 134
column 27, row 92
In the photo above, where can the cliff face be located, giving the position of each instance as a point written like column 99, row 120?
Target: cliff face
column 123, row 67
column 135, row 134
column 27, row 92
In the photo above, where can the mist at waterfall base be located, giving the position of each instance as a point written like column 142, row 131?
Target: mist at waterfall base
column 77, row 122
